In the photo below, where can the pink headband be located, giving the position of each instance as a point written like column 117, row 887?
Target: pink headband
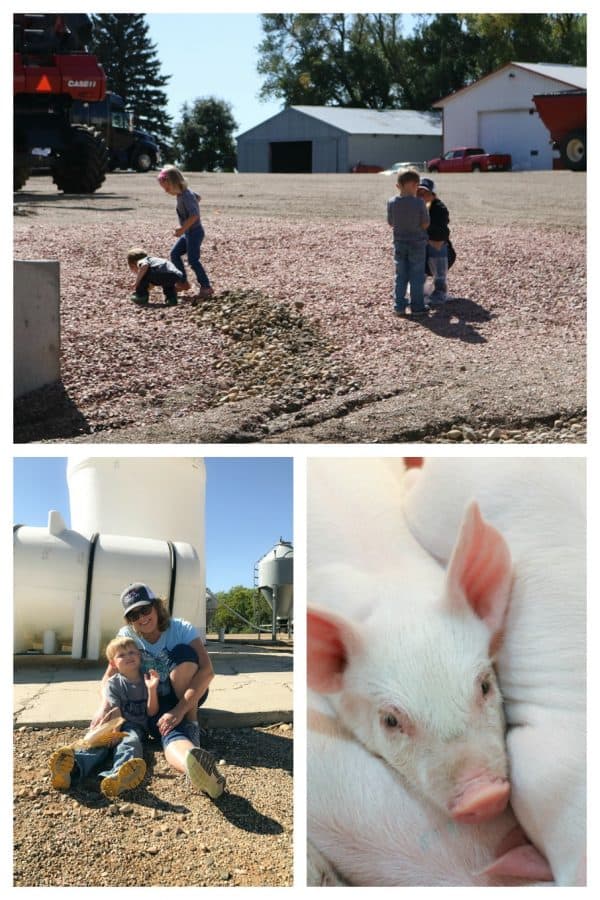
column 163, row 175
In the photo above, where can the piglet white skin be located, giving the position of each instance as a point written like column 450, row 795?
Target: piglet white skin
column 414, row 682
column 372, row 831
column 427, row 671
column 539, row 506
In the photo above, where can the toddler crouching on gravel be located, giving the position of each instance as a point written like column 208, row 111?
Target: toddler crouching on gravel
column 154, row 270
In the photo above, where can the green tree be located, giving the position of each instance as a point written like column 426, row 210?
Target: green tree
column 340, row 59
column 365, row 59
column 248, row 602
column 122, row 44
column 527, row 37
column 204, row 138
column 441, row 57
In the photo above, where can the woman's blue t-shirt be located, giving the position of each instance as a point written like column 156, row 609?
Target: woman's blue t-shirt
column 156, row 655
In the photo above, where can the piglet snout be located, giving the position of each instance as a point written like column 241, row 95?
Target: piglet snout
column 480, row 799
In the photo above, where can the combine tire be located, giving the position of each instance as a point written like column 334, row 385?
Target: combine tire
column 573, row 151
column 20, row 176
column 83, row 164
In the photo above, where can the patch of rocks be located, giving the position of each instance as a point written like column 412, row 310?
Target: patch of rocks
column 563, row 430
column 272, row 349
column 163, row 833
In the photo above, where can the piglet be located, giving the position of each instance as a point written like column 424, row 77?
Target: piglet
column 414, row 682
column 366, row 828
column 539, row 505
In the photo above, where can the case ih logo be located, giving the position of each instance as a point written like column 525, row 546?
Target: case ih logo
column 80, row 84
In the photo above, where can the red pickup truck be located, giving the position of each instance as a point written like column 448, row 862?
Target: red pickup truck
column 470, row 159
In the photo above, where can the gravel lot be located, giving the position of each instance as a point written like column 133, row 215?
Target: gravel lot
column 299, row 344
column 162, row 833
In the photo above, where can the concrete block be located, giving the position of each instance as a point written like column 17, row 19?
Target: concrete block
column 36, row 328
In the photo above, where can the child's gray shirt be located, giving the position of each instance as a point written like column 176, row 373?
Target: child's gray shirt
column 130, row 696
column 408, row 215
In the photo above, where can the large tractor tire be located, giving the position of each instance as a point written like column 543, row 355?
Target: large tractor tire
column 82, row 166
column 573, row 150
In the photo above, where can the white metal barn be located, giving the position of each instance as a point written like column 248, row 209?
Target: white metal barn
column 334, row 139
column 498, row 113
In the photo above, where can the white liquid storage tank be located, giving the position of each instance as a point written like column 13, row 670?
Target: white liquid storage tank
column 132, row 520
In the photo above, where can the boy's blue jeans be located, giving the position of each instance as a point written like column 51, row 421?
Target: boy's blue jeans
column 130, row 747
column 189, row 243
column 409, row 257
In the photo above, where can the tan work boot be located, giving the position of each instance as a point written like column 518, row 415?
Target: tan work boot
column 61, row 765
column 128, row 776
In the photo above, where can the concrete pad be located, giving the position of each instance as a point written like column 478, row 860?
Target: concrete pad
column 251, row 687
column 36, row 328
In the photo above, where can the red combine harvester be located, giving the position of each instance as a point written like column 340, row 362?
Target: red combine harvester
column 564, row 114
column 52, row 68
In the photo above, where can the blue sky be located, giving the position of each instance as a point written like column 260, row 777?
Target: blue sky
column 210, row 54
column 215, row 54
column 248, row 508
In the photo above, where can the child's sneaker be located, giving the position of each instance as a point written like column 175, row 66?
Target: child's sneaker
column 201, row 769
column 126, row 778
column 437, row 298
column 171, row 298
column 61, row 765
column 205, row 292
column 140, row 299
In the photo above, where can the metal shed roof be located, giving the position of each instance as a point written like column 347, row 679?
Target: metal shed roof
column 376, row 121
column 573, row 76
column 570, row 76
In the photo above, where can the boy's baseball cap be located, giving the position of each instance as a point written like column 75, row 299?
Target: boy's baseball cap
column 135, row 595
column 428, row 184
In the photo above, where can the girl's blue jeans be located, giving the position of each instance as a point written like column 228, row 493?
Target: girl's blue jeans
column 130, row 747
column 437, row 265
column 189, row 243
column 409, row 257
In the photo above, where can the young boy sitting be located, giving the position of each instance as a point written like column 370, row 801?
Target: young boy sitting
column 134, row 697
column 154, row 270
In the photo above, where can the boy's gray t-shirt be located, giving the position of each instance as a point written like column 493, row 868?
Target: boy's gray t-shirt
column 130, row 696
column 408, row 215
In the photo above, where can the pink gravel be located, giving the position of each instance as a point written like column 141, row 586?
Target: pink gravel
column 519, row 289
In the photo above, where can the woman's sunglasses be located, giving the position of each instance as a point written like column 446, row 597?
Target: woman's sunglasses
column 140, row 611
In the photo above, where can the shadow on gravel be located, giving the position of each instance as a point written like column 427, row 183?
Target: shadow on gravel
column 242, row 814
column 47, row 413
column 249, row 748
column 457, row 320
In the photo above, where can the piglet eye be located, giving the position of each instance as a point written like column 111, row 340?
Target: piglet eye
column 392, row 719
column 485, row 687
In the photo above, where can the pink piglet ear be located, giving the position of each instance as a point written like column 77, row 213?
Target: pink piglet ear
column 480, row 570
column 330, row 640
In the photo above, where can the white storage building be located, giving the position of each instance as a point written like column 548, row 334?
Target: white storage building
column 334, row 139
column 498, row 113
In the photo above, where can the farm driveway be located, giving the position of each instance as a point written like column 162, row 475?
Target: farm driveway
column 299, row 343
